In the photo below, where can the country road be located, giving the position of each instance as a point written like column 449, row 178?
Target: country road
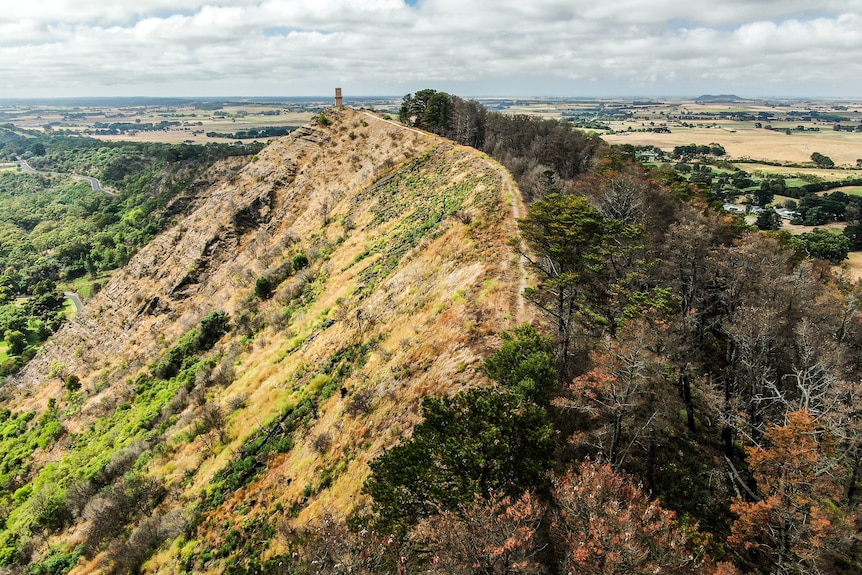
column 94, row 183
column 79, row 305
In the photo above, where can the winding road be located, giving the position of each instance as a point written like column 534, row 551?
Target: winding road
column 94, row 183
column 79, row 305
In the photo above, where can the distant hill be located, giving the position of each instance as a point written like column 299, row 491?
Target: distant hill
column 718, row 99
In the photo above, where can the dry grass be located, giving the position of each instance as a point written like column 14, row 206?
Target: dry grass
column 434, row 317
column 852, row 267
column 759, row 144
column 796, row 229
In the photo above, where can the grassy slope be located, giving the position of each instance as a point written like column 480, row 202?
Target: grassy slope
column 409, row 284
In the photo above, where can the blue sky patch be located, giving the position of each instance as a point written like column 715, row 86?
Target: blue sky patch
column 281, row 31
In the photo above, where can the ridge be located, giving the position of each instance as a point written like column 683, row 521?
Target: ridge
column 355, row 265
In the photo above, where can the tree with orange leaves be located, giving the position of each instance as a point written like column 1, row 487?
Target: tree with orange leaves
column 495, row 536
column 607, row 525
column 794, row 525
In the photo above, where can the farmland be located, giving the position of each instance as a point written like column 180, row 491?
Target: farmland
column 174, row 121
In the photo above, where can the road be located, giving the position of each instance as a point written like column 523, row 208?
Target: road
column 79, row 305
column 94, row 183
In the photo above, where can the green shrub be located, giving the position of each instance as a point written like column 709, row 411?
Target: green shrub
column 73, row 383
column 212, row 328
column 263, row 288
column 51, row 511
column 300, row 261
column 525, row 363
column 56, row 562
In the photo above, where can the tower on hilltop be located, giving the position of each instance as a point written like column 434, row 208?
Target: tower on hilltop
column 338, row 100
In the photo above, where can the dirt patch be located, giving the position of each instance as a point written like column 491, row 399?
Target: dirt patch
column 852, row 266
column 797, row 229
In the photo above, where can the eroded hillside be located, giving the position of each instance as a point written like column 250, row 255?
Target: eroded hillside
column 361, row 265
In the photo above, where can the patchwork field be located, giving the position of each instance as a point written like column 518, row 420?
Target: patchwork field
column 755, row 143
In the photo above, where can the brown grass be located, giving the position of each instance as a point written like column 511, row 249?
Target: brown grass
column 436, row 316
column 759, row 144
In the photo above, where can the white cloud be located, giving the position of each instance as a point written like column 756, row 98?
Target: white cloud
column 163, row 47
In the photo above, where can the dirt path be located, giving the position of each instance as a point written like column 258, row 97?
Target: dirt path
column 511, row 189
column 396, row 124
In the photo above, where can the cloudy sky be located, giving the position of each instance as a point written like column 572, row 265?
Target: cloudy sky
column 57, row 48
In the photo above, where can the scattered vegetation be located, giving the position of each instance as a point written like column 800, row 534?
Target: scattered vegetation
column 97, row 479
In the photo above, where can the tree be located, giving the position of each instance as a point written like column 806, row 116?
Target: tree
column 213, row 327
column 764, row 194
column 479, row 441
column 623, row 199
column 619, row 386
column 607, row 525
column 16, row 341
column 428, row 109
column 497, row 535
column 548, row 183
column 569, row 242
column 854, row 234
column 525, row 363
column 764, row 294
column 787, row 529
column 263, row 288
column 468, row 123
column 72, row 383
column 438, row 113
column 768, row 220
column 741, row 180
column 822, row 161
column 825, row 245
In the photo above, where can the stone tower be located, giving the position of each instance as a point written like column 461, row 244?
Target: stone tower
column 338, row 100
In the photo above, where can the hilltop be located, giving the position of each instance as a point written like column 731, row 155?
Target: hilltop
column 290, row 320
column 718, row 99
